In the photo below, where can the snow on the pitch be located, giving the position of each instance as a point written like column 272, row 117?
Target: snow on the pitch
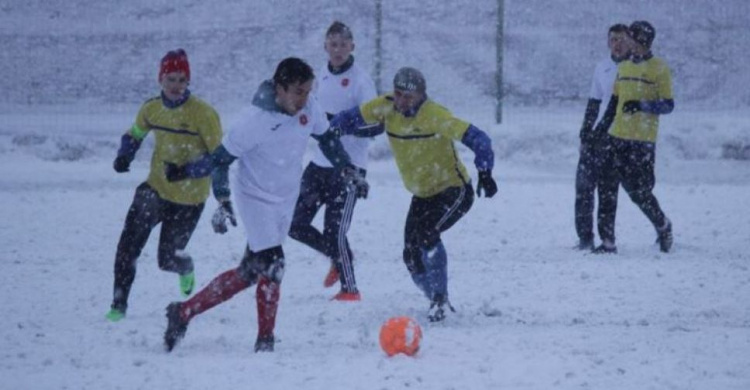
column 531, row 312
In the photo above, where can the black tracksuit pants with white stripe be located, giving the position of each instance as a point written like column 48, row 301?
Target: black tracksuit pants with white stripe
column 428, row 217
column 325, row 186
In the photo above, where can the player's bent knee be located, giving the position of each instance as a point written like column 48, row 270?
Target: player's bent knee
column 268, row 263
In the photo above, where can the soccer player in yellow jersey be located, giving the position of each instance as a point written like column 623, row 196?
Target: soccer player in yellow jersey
column 185, row 129
column 642, row 92
column 422, row 136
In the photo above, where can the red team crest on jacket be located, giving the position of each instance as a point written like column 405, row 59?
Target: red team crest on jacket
column 303, row 119
column 344, row 82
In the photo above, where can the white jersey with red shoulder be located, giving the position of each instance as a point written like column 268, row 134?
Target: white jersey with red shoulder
column 270, row 145
column 339, row 91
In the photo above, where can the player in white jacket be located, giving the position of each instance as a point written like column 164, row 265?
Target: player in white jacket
column 342, row 84
column 592, row 151
column 269, row 141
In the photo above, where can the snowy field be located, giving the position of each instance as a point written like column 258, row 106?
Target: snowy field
column 532, row 313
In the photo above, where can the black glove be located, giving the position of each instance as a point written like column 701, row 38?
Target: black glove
column 361, row 188
column 355, row 182
column 174, row 172
column 122, row 164
column 631, row 107
column 486, row 183
column 221, row 215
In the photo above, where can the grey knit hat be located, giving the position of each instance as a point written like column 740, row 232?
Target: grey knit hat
column 409, row 79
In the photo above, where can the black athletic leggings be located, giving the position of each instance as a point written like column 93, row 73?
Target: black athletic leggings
column 630, row 163
column 428, row 217
column 177, row 225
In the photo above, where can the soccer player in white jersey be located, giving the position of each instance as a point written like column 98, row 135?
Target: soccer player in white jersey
column 588, row 176
column 342, row 84
column 268, row 140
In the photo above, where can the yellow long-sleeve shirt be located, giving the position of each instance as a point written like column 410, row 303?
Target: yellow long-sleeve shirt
column 422, row 145
column 182, row 134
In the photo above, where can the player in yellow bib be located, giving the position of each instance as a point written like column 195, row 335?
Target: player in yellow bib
column 642, row 92
column 422, row 136
column 185, row 129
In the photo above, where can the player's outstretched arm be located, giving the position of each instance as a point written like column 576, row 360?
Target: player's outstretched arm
column 330, row 144
column 198, row 168
column 351, row 122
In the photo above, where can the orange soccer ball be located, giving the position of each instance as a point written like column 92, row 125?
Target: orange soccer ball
column 400, row 335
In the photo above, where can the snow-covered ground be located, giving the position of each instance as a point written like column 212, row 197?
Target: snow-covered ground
column 532, row 313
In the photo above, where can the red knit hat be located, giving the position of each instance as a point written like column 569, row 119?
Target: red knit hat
column 174, row 61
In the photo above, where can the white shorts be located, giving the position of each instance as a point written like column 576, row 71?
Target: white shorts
column 266, row 223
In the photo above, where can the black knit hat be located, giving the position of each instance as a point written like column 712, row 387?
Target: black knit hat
column 642, row 32
column 409, row 79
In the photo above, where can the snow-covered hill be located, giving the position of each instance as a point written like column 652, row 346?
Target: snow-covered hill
column 101, row 52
